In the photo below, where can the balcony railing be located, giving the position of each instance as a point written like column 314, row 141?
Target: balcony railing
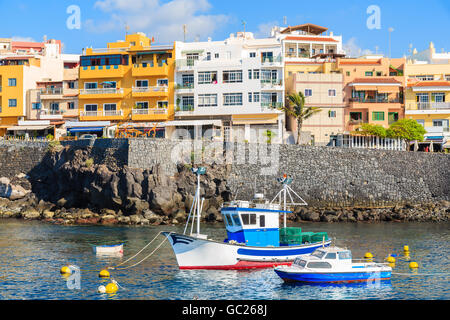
column 101, row 91
column 375, row 100
column 185, row 86
column 355, row 122
column 271, row 60
column 112, row 113
column 188, row 108
column 150, row 89
column 89, row 113
column 272, row 105
column 185, row 63
column 50, row 91
column 271, row 82
column 433, row 105
column 149, row 111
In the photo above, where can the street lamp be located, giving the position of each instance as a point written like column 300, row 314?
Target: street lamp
column 390, row 31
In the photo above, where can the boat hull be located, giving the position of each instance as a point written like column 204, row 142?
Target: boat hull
column 195, row 253
column 334, row 277
column 105, row 250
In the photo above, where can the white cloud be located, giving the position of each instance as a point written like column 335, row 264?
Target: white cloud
column 22, row 39
column 352, row 49
column 264, row 29
column 164, row 21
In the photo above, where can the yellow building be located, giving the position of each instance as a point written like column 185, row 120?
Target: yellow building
column 129, row 83
column 427, row 97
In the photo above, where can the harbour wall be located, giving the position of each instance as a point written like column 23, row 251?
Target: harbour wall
column 323, row 176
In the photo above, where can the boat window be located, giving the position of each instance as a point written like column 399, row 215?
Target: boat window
column 300, row 262
column 248, row 219
column 236, row 220
column 331, row 255
column 262, row 221
column 345, row 255
column 318, row 253
column 228, row 220
column 319, row 265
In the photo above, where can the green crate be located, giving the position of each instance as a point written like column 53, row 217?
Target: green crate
column 318, row 237
column 306, row 236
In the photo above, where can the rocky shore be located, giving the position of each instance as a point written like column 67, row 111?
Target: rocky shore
column 70, row 187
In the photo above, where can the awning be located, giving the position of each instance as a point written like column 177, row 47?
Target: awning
column 365, row 88
column 388, row 89
column 254, row 119
column 192, row 51
column 28, row 128
column 187, row 123
column 86, row 129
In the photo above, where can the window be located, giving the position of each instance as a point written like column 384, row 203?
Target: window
column 308, row 92
column 348, row 73
column 109, row 107
column 187, row 101
column 332, row 93
column 248, row 218
column 90, row 85
column 163, row 104
column 12, row 82
column 318, row 253
column 207, row 77
column 438, row 97
column 425, row 78
column 379, row 73
column 216, row 56
column 142, row 83
column 208, row 56
column 369, row 74
column 228, row 220
column 256, row 74
column 440, row 123
column 232, row 99
column 36, row 106
column 12, row 103
column 236, row 220
column 232, row 76
column 356, row 116
column 90, row 107
column 447, row 77
column 421, row 122
column 252, row 54
column 107, row 60
column 344, row 255
column 71, row 105
column 207, row 100
column 262, row 221
column 377, row 116
column 162, row 82
column 109, row 84
column 71, row 84
column 54, row 106
column 250, row 97
column 142, row 105
column 331, row 255
column 331, row 114
column 319, row 265
column 250, row 72
column 256, row 96
column 187, row 80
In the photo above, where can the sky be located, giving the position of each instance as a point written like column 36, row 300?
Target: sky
column 415, row 23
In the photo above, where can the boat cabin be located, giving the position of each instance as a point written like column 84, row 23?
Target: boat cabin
column 254, row 223
column 327, row 257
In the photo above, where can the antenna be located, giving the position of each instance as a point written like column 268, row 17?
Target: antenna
column 244, row 23
column 127, row 28
column 184, row 31
column 390, row 31
column 285, row 20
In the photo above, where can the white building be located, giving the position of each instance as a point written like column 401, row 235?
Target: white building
column 235, row 87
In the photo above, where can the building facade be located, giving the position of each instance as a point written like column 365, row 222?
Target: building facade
column 230, row 90
column 130, row 84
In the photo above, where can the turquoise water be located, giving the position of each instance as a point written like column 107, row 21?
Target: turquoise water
column 32, row 254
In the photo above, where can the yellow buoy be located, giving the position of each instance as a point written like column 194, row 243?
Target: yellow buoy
column 406, row 248
column 65, row 270
column 390, row 259
column 392, row 265
column 413, row 265
column 368, row 255
column 104, row 274
column 111, row 288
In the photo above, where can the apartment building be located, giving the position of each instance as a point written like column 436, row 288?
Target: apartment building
column 310, row 53
column 22, row 66
column 229, row 90
column 129, row 83
column 427, row 98
column 373, row 90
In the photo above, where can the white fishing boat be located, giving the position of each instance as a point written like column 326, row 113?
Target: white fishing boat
column 254, row 237
column 333, row 265
column 109, row 249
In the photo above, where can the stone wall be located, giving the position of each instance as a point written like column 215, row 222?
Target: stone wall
column 20, row 157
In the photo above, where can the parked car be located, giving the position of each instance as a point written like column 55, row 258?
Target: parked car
column 88, row 136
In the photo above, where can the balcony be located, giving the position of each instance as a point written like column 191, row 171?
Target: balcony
column 433, row 105
column 375, row 100
column 272, row 84
column 159, row 91
column 151, row 114
column 101, row 93
column 421, row 108
column 185, row 64
column 185, row 88
column 270, row 62
column 96, row 72
column 51, row 93
column 271, row 105
column 104, row 115
column 150, row 69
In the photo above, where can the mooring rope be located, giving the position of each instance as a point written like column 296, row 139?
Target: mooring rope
column 422, row 274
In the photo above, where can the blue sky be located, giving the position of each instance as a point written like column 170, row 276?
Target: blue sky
column 102, row 21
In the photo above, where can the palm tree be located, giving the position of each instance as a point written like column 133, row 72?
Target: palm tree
column 296, row 108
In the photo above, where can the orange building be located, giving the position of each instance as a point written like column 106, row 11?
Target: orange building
column 373, row 90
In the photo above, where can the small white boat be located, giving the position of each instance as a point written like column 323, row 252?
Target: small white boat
column 333, row 265
column 109, row 249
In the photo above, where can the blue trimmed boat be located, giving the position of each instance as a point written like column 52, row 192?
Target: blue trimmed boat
column 333, row 265
column 108, row 249
column 254, row 237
